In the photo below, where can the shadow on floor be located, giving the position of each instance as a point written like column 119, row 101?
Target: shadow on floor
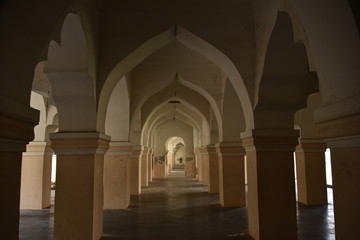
column 180, row 209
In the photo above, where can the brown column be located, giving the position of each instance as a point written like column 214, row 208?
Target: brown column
column 135, row 170
column 150, row 165
column 15, row 133
column 345, row 162
column 36, row 176
column 117, row 175
column 271, row 186
column 144, row 167
column 190, row 166
column 211, row 166
column 310, row 171
column 79, row 184
column 199, row 165
column 231, row 174
column 205, row 173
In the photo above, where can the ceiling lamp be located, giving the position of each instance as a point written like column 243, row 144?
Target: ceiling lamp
column 174, row 99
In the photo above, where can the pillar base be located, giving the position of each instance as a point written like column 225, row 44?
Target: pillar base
column 117, row 176
column 36, row 176
column 135, row 170
column 144, row 167
column 79, row 184
column 271, row 183
column 210, row 168
column 16, row 131
column 190, row 167
column 345, row 162
column 231, row 174
column 311, row 173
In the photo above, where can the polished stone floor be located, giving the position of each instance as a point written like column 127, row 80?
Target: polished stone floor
column 181, row 208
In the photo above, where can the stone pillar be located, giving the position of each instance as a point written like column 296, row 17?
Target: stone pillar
column 190, row 166
column 211, row 168
column 271, row 183
column 204, row 165
column 159, row 167
column 79, row 184
column 231, row 174
column 311, row 173
column 150, row 165
column 36, row 176
column 144, row 167
column 117, row 175
column 199, row 165
column 345, row 162
column 15, row 132
column 135, row 170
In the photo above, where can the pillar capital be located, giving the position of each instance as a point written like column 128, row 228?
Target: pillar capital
column 79, row 143
column 119, row 148
column 145, row 150
column 208, row 149
column 17, row 131
column 270, row 139
column 137, row 150
column 311, row 145
column 344, row 142
column 230, row 149
column 38, row 148
column 342, row 127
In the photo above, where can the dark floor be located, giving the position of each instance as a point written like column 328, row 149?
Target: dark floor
column 181, row 208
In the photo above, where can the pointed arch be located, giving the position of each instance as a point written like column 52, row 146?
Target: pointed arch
column 189, row 40
column 285, row 71
column 118, row 113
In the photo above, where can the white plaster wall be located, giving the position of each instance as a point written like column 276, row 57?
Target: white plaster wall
column 117, row 118
column 233, row 116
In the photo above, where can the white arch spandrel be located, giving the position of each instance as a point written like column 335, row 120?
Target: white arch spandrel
column 117, row 115
column 71, row 83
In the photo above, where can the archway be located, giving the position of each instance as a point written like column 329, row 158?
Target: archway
column 176, row 154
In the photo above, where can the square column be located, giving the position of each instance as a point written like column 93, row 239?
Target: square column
column 36, row 176
column 10, row 171
column 150, row 165
column 190, row 166
column 135, row 170
column 271, row 183
column 79, row 184
column 345, row 163
column 199, row 165
column 117, row 175
column 311, row 173
column 16, row 132
column 159, row 170
column 144, row 167
column 231, row 174
column 204, row 166
column 211, row 168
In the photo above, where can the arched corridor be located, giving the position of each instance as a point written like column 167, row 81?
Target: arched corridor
column 159, row 109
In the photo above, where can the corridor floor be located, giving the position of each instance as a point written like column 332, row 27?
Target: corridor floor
column 180, row 208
